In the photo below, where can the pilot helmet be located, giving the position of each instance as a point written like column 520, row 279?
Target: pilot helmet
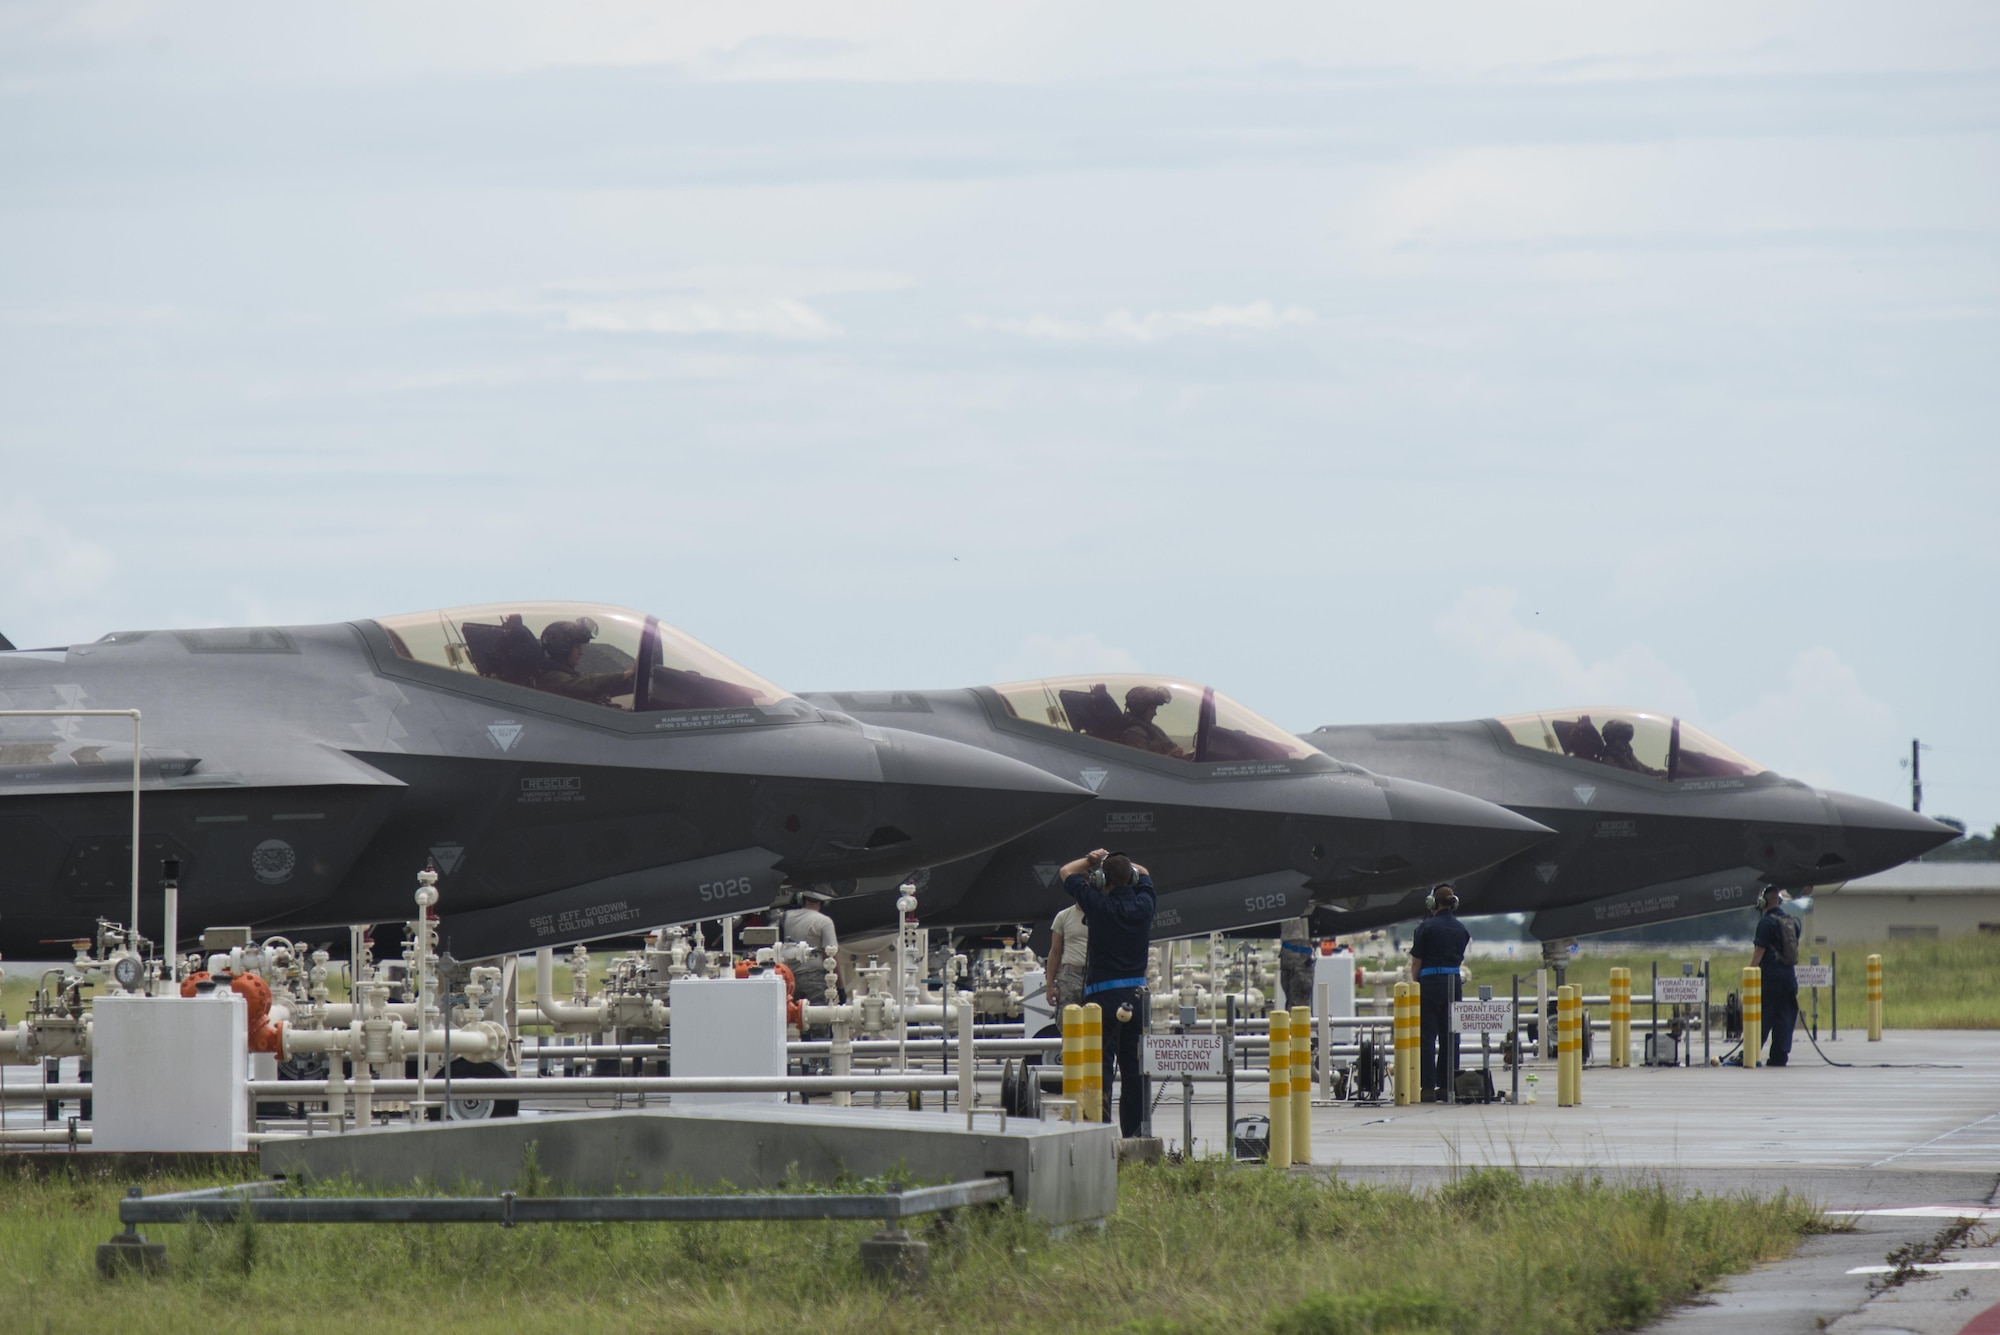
column 559, row 637
column 1140, row 696
column 1617, row 730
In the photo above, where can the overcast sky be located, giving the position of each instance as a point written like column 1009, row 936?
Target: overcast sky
column 1369, row 362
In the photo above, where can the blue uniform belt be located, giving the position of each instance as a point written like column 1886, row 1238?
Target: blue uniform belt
column 1293, row 945
column 1434, row 972
column 1112, row 985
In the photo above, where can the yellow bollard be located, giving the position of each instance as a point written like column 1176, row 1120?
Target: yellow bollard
column 1753, row 1017
column 1874, row 998
column 1621, row 1017
column 1302, row 1084
column 1093, row 1062
column 1564, row 1098
column 1576, row 1023
column 1413, row 1040
column 1072, row 1056
column 1404, row 1074
column 1281, row 1089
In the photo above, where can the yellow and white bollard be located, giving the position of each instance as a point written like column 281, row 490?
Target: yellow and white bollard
column 1302, row 1082
column 1753, row 1017
column 1400, row 1038
column 1563, row 1097
column 1874, row 998
column 1281, row 1089
column 1072, row 1057
column 1621, row 1017
column 1093, row 1062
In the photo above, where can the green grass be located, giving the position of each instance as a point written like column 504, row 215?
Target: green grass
column 1194, row 1247
column 1926, row 984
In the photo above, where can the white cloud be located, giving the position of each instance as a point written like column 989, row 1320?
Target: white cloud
column 1541, row 670
column 1821, row 726
column 1047, row 656
column 771, row 302
column 777, row 317
column 1155, row 326
column 42, row 562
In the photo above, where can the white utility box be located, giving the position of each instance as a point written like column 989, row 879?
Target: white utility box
column 170, row 1073
column 728, row 1026
column 1336, row 974
column 1036, row 1012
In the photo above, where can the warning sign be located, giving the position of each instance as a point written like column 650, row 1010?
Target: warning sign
column 1482, row 1017
column 1183, row 1054
column 1814, row 975
column 1683, row 991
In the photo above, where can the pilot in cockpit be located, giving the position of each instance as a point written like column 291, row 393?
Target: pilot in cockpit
column 1618, row 750
column 1137, row 728
column 563, row 643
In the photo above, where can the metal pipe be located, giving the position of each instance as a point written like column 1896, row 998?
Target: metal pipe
column 968, row 1093
column 545, row 986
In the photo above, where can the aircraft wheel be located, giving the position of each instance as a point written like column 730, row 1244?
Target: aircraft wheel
column 1010, row 1089
column 476, row 1109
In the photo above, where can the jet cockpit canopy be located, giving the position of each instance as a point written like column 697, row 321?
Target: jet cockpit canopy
column 608, row 656
column 1637, row 741
column 1176, row 719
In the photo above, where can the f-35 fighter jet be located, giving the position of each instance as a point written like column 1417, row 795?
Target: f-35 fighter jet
column 1239, row 822
column 1655, row 819
column 573, row 771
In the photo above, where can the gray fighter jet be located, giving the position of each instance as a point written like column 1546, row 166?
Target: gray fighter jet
column 1240, row 822
column 1655, row 819
column 574, row 772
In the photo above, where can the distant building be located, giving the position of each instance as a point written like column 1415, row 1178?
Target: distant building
column 1917, row 899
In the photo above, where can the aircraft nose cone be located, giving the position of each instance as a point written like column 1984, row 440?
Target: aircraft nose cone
column 1455, row 834
column 1880, row 835
column 956, row 800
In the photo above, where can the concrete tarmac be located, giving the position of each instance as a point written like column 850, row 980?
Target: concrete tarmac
column 1913, row 1122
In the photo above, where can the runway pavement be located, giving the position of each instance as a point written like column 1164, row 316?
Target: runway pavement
column 1913, row 1122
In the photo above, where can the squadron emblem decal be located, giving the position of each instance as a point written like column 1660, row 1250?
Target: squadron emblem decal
column 504, row 735
column 273, row 861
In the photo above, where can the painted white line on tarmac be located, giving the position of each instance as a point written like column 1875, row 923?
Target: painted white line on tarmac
column 1935, row 1267
column 1928, row 1212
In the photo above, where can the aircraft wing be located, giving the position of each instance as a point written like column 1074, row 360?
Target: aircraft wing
column 1714, row 892
column 1221, row 906
column 620, row 905
column 44, row 767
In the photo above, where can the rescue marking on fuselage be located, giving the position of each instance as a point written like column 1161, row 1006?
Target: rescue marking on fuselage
column 1094, row 779
column 1045, row 872
column 1546, row 871
column 552, row 788
column 1585, row 792
column 505, row 734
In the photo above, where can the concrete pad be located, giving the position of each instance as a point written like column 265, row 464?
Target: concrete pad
column 1062, row 1172
column 1913, row 1121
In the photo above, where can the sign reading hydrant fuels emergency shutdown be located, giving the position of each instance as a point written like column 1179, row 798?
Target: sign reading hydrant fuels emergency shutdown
column 1482, row 1017
column 1689, row 991
column 1183, row 1054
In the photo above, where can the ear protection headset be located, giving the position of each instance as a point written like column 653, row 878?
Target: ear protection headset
column 1097, row 872
column 1440, row 894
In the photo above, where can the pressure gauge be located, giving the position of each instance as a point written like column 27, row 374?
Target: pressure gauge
column 126, row 971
